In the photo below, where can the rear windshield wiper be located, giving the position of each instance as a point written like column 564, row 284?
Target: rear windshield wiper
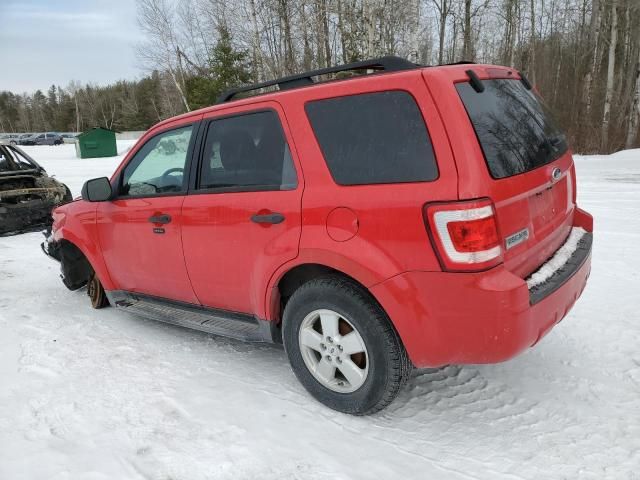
column 475, row 81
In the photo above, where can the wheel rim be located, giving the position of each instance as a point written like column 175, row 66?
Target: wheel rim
column 93, row 290
column 333, row 351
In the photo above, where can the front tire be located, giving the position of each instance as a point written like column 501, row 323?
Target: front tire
column 95, row 291
column 342, row 346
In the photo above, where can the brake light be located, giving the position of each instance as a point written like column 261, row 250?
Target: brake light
column 465, row 234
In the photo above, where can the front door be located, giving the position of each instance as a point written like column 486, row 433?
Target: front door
column 243, row 218
column 140, row 230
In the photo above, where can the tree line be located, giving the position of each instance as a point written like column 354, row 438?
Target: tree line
column 125, row 105
column 583, row 56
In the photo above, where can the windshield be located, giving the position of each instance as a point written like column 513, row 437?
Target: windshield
column 514, row 128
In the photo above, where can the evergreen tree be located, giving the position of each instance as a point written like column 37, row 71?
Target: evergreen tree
column 227, row 67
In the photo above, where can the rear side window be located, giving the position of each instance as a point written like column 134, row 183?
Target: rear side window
column 373, row 138
column 514, row 128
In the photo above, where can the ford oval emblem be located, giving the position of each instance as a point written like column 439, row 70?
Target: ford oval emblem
column 556, row 174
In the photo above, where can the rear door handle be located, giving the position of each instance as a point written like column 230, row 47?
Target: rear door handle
column 161, row 219
column 268, row 218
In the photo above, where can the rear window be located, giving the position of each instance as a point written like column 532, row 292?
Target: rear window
column 373, row 138
column 514, row 128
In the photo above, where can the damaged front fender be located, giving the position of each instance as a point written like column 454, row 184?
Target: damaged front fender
column 74, row 266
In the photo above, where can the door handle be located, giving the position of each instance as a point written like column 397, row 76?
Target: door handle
column 162, row 219
column 268, row 218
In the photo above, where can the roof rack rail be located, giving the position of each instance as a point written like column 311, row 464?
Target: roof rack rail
column 388, row 64
column 460, row 62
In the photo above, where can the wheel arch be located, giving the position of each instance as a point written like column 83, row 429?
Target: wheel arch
column 294, row 274
column 90, row 253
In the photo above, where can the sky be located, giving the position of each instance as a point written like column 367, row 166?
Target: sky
column 45, row 42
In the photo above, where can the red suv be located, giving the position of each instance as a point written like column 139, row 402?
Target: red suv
column 405, row 216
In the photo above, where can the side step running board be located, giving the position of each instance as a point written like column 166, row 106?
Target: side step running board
column 217, row 322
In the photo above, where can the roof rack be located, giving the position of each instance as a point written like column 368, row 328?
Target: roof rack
column 388, row 64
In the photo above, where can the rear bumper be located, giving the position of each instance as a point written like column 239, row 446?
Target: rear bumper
column 485, row 317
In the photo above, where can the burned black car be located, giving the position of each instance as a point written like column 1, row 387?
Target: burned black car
column 27, row 193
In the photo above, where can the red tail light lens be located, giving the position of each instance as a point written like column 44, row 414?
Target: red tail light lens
column 465, row 234
column 474, row 235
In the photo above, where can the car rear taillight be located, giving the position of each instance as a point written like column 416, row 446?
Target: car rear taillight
column 464, row 234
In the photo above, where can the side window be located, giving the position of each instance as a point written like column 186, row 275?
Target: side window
column 158, row 167
column 247, row 152
column 20, row 160
column 6, row 163
column 373, row 138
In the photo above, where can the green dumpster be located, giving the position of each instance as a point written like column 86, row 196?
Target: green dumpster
column 97, row 142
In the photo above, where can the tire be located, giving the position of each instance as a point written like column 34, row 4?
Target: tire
column 95, row 291
column 383, row 365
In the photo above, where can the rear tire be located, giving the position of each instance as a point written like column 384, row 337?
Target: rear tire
column 322, row 324
column 96, row 293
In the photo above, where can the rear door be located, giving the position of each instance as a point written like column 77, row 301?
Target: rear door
column 242, row 219
column 520, row 159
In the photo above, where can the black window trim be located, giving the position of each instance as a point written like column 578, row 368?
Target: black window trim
column 351, row 185
column 117, row 184
column 194, row 178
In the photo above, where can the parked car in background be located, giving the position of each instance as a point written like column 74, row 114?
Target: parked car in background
column 9, row 139
column 25, row 139
column 69, row 137
column 411, row 217
column 48, row 138
column 27, row 193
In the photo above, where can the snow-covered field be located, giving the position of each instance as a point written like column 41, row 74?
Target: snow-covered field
column 88, row 394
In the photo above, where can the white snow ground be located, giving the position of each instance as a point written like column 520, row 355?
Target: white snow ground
column 88, row 394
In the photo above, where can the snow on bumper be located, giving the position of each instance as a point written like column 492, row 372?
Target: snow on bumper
column 487, row 317
column 557, row 270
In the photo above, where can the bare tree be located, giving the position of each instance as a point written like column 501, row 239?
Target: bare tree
column 594, row 43
column 444, row 9
column 155, row 18
column 613, row 42
column 632, row 130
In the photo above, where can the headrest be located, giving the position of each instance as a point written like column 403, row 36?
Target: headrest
column 237, row 151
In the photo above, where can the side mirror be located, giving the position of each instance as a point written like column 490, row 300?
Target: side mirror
column 97, row 190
